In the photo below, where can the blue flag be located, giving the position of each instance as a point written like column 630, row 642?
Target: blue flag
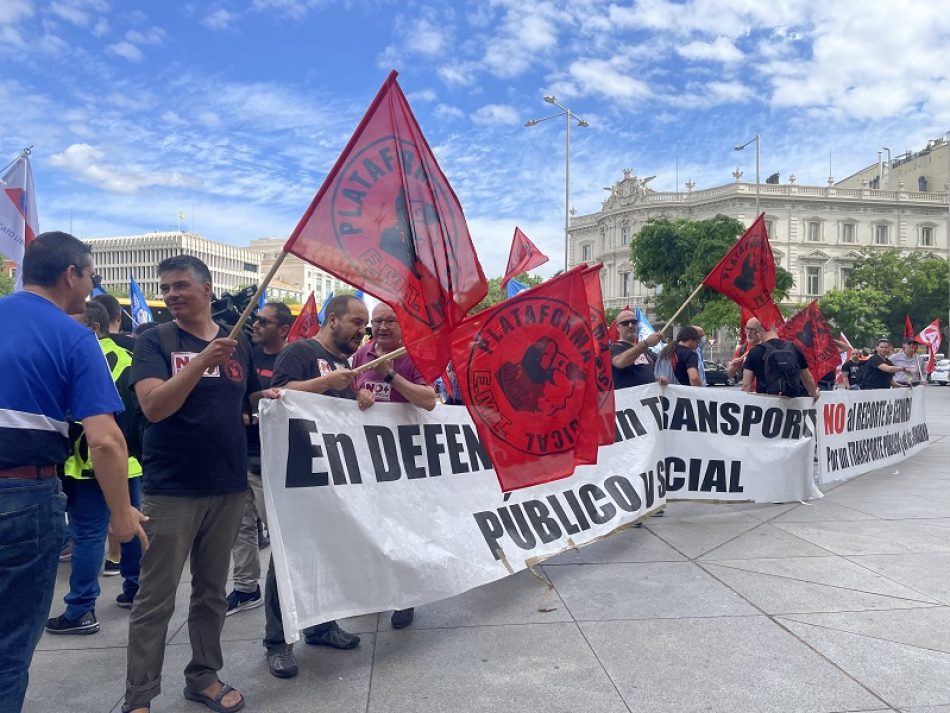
column 262, row 301
column 139, row 307
column 359, row 295
column 644, row 329
column 514, row 287
column 96, row 291
column 323, row 307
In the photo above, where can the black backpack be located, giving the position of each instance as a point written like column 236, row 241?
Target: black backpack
column 781, row 370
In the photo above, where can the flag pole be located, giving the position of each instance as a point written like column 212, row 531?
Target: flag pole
column 257, row 295
column 385, row 357
column 669, row 322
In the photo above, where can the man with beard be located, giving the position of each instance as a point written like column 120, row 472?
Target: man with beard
column 318, row 365
column 396, row 381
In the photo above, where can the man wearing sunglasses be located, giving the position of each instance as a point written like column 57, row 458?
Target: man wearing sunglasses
column 631, row 358
column 271, row 327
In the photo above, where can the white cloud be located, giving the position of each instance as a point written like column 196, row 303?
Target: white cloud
column 86, row 163
column 127, row 50
column 493, row 114
column 9, row 36
column 14, row 10
column 294, row 9
column 423, row 95
column 597, row 76
column 101, row 28
column 220, row 19
column 154, row 36
column 719, row 50
column 459, row 73
column 449, row 112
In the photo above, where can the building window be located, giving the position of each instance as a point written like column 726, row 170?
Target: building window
column 812, row 280
column 927, row 236
column 813, row 231
column 847, row 232
column 881, row 235
column 587, row 253
column 845, row 273
column 770, row 228
column 625, row 284
column 625, row 235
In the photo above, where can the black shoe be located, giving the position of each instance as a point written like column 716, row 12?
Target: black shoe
column 332, row 635
column 124, row 600
column 281, row 662
column 402, row 618
column 242, row 601
column 84, row 625
column 110, row 569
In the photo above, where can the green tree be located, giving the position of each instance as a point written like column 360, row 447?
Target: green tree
column 883, row 287
column 497, row 293
column 678, row 254
column 6, row 284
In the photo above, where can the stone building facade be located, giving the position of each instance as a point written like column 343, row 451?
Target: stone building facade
column 294, row 272
column 816, row 232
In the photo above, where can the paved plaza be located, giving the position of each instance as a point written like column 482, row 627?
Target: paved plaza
column 838, row 605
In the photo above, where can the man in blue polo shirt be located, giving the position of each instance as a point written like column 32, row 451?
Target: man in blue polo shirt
column 53, row 370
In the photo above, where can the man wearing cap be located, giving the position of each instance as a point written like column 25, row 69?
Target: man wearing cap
column 631, row 358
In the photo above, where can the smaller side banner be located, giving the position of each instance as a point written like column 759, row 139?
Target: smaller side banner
column 861, row 431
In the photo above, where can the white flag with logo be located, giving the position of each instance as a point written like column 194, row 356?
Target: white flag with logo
column 18, row 221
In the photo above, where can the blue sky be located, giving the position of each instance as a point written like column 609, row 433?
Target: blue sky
column 233, row 111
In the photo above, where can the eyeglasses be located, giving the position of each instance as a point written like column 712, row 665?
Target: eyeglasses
column 627, row 323
column 93, row 275
column 380, row 322
column 263, row 321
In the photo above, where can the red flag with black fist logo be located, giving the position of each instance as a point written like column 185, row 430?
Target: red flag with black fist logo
column 746, row 274
column 528, row 374
column 307, row 323
column 386, row 221
column 604, row 368
column 931, row 337
column 524, row 256
column 809, row 331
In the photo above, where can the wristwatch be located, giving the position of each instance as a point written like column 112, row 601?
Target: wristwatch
column 389, row 377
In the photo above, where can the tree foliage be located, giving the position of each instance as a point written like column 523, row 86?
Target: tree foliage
column 883, row 287
column 497, row 293
column 6, row 284
column 678, row 254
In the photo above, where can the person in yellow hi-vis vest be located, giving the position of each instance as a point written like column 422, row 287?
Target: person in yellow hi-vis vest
column 88, row 512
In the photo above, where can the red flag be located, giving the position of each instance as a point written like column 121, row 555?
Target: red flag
column 908, row 327
column 524, row 256
column 307, row 323
column 527, row 372
column 746, row 274
column 386, row 221
column 604, row 368
column 809, row 331
column 931, row 337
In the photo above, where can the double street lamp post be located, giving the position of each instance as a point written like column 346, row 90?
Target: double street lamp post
column 739, row 147
column 569, row 116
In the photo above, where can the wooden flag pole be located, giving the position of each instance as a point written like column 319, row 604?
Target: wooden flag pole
column 395, row 353
column 669, row 322
column 257, row 295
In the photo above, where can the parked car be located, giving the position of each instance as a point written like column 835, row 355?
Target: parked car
column 716, row 375
column 941, row 374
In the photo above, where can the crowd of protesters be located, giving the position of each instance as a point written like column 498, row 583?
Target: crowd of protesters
column 95, row 424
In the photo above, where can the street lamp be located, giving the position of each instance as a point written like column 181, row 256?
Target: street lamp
column 568, row 116
column 739, row 148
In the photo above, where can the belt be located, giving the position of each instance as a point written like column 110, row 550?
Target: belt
column 31, row 472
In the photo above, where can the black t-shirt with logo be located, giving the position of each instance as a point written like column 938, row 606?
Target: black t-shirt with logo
column 853, row 370
column 264, row 368
column 640, row 372
column 686, row 359
column 308, row 359
column 874, row 378
column 200, row 449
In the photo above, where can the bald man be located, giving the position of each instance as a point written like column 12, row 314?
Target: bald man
column 631, row 358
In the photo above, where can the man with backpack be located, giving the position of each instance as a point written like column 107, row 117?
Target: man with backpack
column 778, row 368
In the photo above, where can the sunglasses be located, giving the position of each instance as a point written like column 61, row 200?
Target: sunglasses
column 93, row 275
column 263, row 321
column 627, row 323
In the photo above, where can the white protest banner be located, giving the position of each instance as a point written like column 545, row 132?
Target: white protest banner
column 861, row 431
column 394, row 506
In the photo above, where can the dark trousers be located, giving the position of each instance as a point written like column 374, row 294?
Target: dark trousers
column 273, row 624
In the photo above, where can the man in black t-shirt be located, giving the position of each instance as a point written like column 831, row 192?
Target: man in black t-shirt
column 754, row 369
column 632, row 360
column 191, row 381
column 878, row 371
column 851, row 371
column 318, row 365
column 271, row 327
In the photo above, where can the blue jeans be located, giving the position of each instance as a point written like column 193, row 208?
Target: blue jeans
column 88, row 526
column 32, row 531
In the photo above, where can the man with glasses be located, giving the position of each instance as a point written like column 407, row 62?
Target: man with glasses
column 318, row 365
column 632, row 360
column 53, row 370
column 396, row 381
column 753, row 337
column 271, row 327
column 906, row 358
